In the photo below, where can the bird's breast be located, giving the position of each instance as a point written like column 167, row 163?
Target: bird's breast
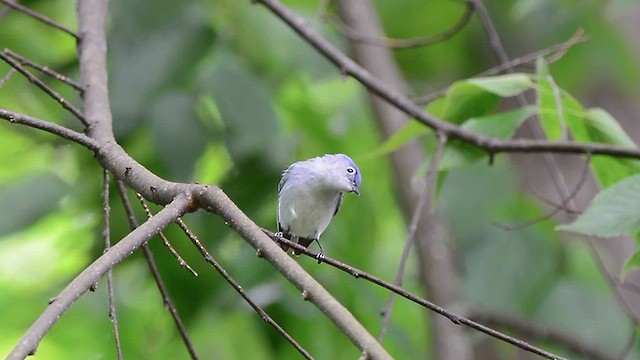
column 305, row 212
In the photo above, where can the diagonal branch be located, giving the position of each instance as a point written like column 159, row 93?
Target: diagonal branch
column 533, row 330
column 401, row 44
column 39, row 83
column 402, row 102
column 44, row 69
column 50, row 127
column 459, row 320
column 553, row 54
column 40, row 17
column 153, row 268
column 238, row 288
column 92, row 274
column 426, row 198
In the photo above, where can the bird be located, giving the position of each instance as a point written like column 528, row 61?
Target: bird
column 310, row 194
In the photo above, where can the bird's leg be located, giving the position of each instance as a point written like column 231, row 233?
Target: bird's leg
column 320, row 255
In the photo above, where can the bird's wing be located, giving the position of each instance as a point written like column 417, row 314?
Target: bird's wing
column 339, row 204
column 285, row 177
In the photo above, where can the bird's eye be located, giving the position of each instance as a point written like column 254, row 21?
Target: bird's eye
column 351, row 170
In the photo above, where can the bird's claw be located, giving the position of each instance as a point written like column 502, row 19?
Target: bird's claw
column 320, row 257
column 278, row 236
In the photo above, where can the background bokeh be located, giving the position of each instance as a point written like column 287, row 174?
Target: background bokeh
column 223, row 92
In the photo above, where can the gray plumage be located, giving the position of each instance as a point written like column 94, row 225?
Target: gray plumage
column 310, row 195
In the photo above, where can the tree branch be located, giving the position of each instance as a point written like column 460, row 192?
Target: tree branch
column 151, row 263
column 92, row 53
column 50, row 127
column 92, row 274
column 540, row 332
column 40, row 17
column 489, row 144
column 459, row 320
column 554, row 53
column 44, row 69
column 39, row 83
column 402, row 44
column 106, row 234
column 238, row 288
column 426, row 198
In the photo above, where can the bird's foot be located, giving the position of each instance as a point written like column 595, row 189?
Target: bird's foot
column 278, row 236
column 320, row 257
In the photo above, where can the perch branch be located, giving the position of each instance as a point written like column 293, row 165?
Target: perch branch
column 359, row 274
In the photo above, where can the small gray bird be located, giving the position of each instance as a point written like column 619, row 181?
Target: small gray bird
column 310, row 195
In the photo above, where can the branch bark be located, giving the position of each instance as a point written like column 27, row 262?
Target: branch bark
column 92, row 274
column 181, row 198
column 402, row 102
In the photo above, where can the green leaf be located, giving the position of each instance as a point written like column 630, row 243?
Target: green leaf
column 504, row 85
column 502, row 125
column 550, row 119
column 465, row 100
column 409, row 131
column 614, row 211
column 606, row 128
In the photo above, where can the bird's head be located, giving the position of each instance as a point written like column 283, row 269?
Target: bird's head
column 344, row 174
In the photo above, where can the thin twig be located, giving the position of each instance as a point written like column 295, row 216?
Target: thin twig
column 458, row 320
column 52, row 93
column 562, row 207
column 44, row 69
column 40, row 18
column 554, row 54
column 148, row 254
column 539, row 332
column 165, row 241
column 401, row 44
column 556, row 209
column 234, row 284
column 558, row 178
column 5, row 10
column 50, row 127
column 426, row 197
column 7, row 76
column 106, row 234
column 489, row 144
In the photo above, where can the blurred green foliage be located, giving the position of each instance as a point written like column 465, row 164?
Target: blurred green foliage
column 222, row 92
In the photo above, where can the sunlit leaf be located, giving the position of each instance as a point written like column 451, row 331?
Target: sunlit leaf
column 502, row 125
column 606, row 128
column 504, row 85
column 465, row 100
column 410, row 131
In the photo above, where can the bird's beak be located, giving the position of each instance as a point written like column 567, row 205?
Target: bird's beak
column 354, row 189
